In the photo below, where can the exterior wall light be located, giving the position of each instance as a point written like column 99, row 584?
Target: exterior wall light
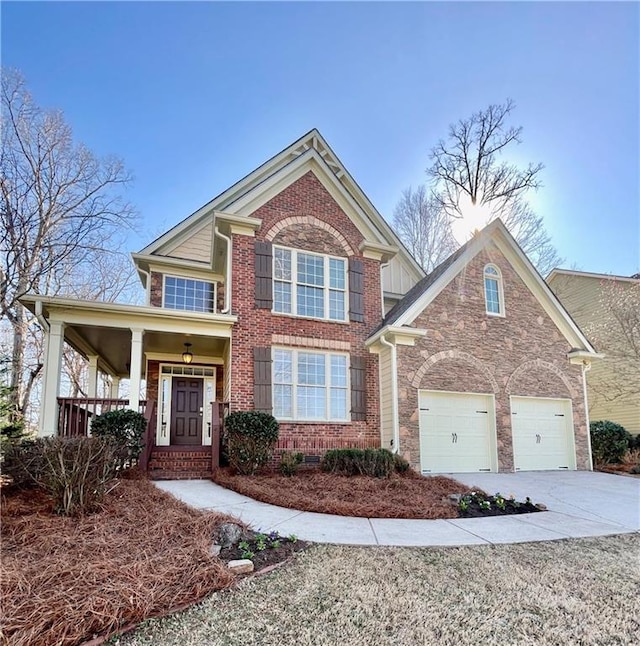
column 187, row 355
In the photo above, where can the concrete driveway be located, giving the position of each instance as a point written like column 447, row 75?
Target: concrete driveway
column 580, row 504
column 584, row 494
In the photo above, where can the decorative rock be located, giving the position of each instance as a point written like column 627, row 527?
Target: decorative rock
column 229, row 534
column 454, row 498
column 540, row 506
column 241, row 566
column 215, row 550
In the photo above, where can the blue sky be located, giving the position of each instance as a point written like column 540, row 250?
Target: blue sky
column 195, row 95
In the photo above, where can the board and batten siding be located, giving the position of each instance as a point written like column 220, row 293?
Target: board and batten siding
column 197, row 247
column 398, row 277
column 386, row 398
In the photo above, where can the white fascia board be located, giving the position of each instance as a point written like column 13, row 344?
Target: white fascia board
column 166, row 264
column 308, row 161
column 536, row 284
column 586, row 274
column 399, row 335
column 409, row 316
column 120, row 315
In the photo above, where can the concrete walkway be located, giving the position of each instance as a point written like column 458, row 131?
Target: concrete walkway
column 580, row 504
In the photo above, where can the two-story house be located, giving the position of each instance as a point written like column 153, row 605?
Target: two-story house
column 289, row 293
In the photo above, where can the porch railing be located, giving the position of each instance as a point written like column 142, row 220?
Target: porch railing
column 149, row 437
column 75, row 413
column 219, row 411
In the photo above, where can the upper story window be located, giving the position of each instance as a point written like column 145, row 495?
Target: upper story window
column 308, row 284
column 493, row 294
column 189, row 294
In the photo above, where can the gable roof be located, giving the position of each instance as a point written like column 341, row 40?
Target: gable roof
column 423, row 293
column 310, row 152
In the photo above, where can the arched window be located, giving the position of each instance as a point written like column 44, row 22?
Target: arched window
column 493, row 295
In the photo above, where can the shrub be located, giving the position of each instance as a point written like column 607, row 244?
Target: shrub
column 378, row 463
column 634, row 442
column 126, row 428
column 76, row 471
column 401, row 465
column 249, row 437
column 609, row 441
column 289, row 463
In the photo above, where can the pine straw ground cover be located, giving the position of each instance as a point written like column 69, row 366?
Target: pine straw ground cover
column 65, row 580
column 582, row 591
column 407, row 495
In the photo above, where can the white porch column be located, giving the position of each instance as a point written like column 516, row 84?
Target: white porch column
column 135, row 371
column 114, row 389
column 92, row 388
column 51, row 380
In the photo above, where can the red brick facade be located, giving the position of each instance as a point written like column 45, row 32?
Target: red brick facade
column 467, row 350
column 312, row 221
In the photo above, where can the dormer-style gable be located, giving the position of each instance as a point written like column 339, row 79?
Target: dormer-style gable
column 200, row 241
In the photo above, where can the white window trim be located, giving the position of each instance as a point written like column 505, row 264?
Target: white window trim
column 294, row 382
column 213, row 283
column 498, row 279
column 326, row 288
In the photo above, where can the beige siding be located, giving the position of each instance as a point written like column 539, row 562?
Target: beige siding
column 197, row 247
column 582, row 297
column 386, row 399
column 398, row 277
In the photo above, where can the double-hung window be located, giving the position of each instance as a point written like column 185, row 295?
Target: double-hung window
column 310, row 386
column 309, row 284
column 493, row 295
column 188, row 294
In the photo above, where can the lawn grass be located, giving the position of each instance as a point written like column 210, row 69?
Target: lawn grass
column 407, row 495
column 65, row 580
column 580, row 591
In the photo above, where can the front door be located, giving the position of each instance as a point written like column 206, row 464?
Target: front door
column 186, row 411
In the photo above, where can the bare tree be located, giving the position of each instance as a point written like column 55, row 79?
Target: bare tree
column 60, row 205
column 468, row 163
column 423, row 227
column 614, row 329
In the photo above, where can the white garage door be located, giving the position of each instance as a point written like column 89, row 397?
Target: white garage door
column 542, row 434
column 457, row 432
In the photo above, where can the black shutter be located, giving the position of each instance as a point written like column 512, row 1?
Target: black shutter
column 263, row 271
column 356, row 289
column 262, row 379
column 358, row 389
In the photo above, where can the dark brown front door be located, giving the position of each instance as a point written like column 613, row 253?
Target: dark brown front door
column 186, row 411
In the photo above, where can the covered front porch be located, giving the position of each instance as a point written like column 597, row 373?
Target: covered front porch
column 170, row 365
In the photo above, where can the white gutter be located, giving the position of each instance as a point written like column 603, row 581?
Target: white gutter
column 394, row 393
column 227, row 286
column 41, row 319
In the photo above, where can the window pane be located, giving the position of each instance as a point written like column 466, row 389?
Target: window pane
column 311, row 369
column 310, row 301
column 338, row 403
column 188, row 294
column 282, row 367
column 491, row 270
column 281, row 297
column 282, row 400
column 311, row 402
column 336, row 305
column 282, row 264
column 492, row 295
column 310, row 269
column 338, row 371
column 336, row 273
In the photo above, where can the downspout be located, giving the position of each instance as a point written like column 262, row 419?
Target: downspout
column 41, row 319
column 586, row 366
column 382, row 267
column 147, row 285
column 394, row 393
column 227, row 287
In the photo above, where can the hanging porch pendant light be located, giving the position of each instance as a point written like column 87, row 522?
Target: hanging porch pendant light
column 187, row 355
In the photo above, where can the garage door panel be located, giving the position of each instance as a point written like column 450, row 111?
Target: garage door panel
column 542, row 434
column 455, row 432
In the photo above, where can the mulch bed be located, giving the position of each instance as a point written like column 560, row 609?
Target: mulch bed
column 406, row 495
column 509, row 506
column 65, row 580
column 267, row 557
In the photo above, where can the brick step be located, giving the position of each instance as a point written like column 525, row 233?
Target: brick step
column 168, row 474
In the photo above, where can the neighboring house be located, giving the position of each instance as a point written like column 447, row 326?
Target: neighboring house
column 607, row 308
column 273, row 297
